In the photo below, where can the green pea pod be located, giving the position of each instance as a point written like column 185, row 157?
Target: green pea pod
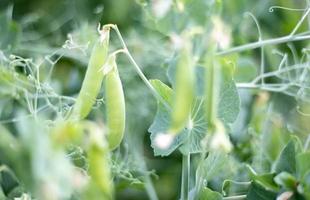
column 115, row 106
column 184, row 90
column 99, row 171
column 93, row 79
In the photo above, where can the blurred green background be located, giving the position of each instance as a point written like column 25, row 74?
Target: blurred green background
column 37, row 29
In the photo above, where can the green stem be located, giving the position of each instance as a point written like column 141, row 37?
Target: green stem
column 238, row 197
column 185, row 177
column 149, row 187
column 138, row 70
column 254, row 45
column 306, row 146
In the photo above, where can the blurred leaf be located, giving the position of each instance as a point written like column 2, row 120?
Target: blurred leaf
column 10, row 30
column 245, row 70
column 2, row 196
column 212, row 165
column 286, row 180
column 8, row 180
column 265, row 180
column 207, row 193
column 286, row 161
column 257, row 191
column 303, row 164
column 228, row 109
column 229, row 102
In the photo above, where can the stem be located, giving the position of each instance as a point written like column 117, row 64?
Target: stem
column 300, row 22
column 149, row 187
column 185, row 177
column 238, row 197
column 254, row 45
column 138, row 70
column 307, row 143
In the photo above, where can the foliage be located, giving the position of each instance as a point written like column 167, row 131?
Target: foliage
column 216, row 95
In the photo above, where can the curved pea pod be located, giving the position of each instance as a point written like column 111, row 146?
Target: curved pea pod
column 93, row 79
column 184, row 90
column 115, row 107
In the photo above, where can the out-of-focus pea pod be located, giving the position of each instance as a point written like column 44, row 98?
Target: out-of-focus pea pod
column 212, row 88
column 93, row 78
column 184, row 89
column 115, row 105
column 66, row 132
column 101, row 184
column 216, row 139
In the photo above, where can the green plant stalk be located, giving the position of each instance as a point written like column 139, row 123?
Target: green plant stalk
column 185, row 177
column 238, row 197
column 149, row 187
column 254, row 45
column 138, row 70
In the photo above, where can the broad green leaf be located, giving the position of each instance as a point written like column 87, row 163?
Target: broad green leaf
column 194, row 136
column 303, row 164
column 189, row 138
column 257, row 191
column 228, row 109
column 162, row 119
column 229, row 102
column 286, row 161
column 207, row 194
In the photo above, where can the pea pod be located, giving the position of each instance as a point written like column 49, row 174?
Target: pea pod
column 184, row 90
column 93, row 79
column 115, row 106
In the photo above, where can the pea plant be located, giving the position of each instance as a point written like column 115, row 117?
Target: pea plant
column 235, row 116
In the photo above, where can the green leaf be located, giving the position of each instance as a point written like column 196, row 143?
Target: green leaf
column 265, row 180
column 162, row 119
column 189, row 139
column 303, row 164
column 257, row 191
column 207, row 194
column 10, row 31
column 306, row 185
column 286, row 161
column 165, row 91
column 286, row 180
column 8, row 180
column 2, row 196
column 245, row 70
